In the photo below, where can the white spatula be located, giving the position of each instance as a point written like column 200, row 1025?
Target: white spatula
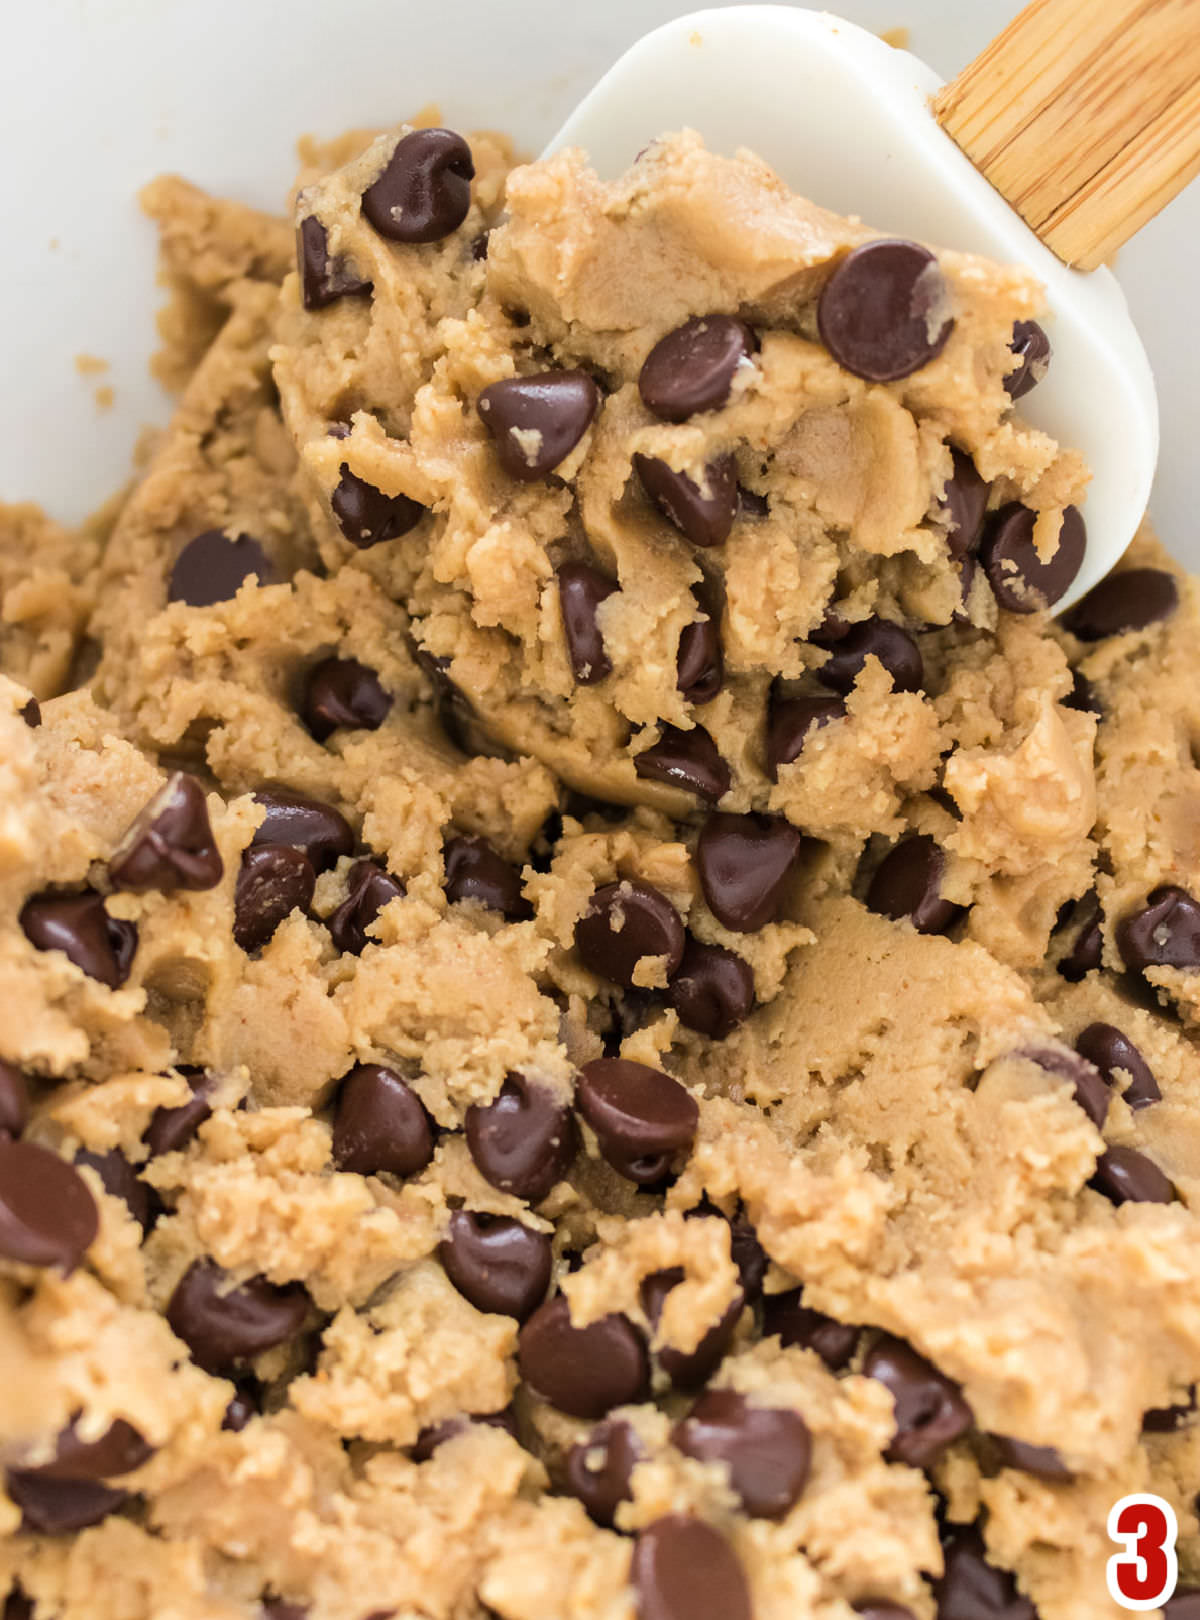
column 1084, row 117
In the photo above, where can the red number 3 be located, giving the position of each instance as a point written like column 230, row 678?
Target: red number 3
column 1144, row 1575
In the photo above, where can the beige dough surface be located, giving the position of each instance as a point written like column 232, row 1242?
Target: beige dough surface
column 886, row 1125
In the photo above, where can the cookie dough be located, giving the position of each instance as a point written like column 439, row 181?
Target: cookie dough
column 600, row 1008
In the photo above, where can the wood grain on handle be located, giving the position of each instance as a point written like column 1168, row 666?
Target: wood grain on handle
column 1085, row 115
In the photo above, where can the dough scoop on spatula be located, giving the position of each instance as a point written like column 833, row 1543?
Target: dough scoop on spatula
column 1062, row 139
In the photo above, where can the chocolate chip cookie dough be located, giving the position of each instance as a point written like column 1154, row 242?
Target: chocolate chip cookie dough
column 600, row 1008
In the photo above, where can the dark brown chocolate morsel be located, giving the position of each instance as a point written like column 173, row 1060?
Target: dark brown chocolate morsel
column 341, row 694
column 214, row 566
column 687, row 760
column 497, row 1264
column 424, row 191
column 366, row 516
column 1164, row 933
column 689, row 1369
column 930, row 1410
column 324, row 277
column 117, row 1450
column 368, row 889
column 964, row 503
column 1120, row 1062
column 692, row 368
column 474, row 871
column 57, row 1507
column 223, row 1324
column 1126, row 1176
column 1031, row 347
column 535, row 422
column 1121, row 602
column 873, row 638
column 768, row 1450
column 640, row 1115
column 1184, row 1605
column 14, row 1100
column 291, row 818
column 885, row 311
column 684, row 1569
column 1083, row 697
column 1085, row 953
column 170, row 843
column 120, row 1179
column 908, row 884
column 704, row 513
column 80, row 927
column 790, row 723
column 581, row 589
column 744, row 864
column 970, row 1588
column 1087, row 1083
column 712, row 989
column 626, row 923
column 598, row 1469
column 31, row 712
column 379, row 1124
column 700, row 661
column 1043, row 1461
column 47, row 1215
column 273, row 881
column 524, row 1141
column 796, row 1323
column 171, row 1129
column 1021, row 581
column 436, row 1434
column 583, row 1371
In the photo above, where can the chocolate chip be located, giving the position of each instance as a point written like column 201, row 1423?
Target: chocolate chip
column 1087, row 1082
column 689, row 1369
column 1184, row 1605
column 796, row 1323
column 700, row 662
column 424, row 192
column 874, row 638
column 118, row 1450
column 1085, row 954
column 744, row 864
column 118, row 1178
column 687, row 760
column 767, row 1449
column 712, row 989
column 1021, row 581
column 790, row 721
column 1169, row 1419
column 964, row 503
column 170, row 844
column 908, row 882
column 1126, row 1176
column 368, row 889
column 242, row 1407
column 748, row 1255
column 883, row 312
column 752, row 505
column 626, row 923
column 598, row 1470
column 641, row 1116
column 581, row 589
column 273, row 881
column 273, row 1608
column 31, row 712
column 341, row 692
column 972, row 1589
column 14, row 1100
column 436, row 1434
column 379, row 1124
column 323, row 278
column 224, row 1325
column 80, row 927
column 171, row 1129
column 1031, row 347
column 17, row 1606
column 55, row 1507
column 705, row 516
column 479, row 247
column 683, row 1569
column 1121, row 602
column 322, row 832
column 474, row 871
column 522, row 1143
column 584, row 1371
column 47, row 1215
column 213, row 567
column 1111, row 1051
column 497, row 1264
column 930, row 1410
column 692, row 368
column 1082, row 696
column 366, row 516
column 1165, row 933
column 1042, row 1461
column 871, row 1610
column 535, row 422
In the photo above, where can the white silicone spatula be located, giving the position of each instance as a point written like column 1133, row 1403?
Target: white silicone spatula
column 1084, row 117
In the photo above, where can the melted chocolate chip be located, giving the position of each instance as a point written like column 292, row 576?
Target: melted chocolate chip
column 366, row 516
column 640, row 1115
column 170, row 844
column 930, row 1410
column 1042, row 1461
column 796, row 1323
column 626, row 923
column 14, row 1100
column 873, row 638
column 118, row 1177
column 535, row 422
column 324, row 278
column 56, row 1507
column 1116, row 1057
column 972, row 1589
column 581, row 589
column 907, row 884
column 1085, row 1078
column 214, row 566
column 1165, row 933
column 497, row 1264
column 712, row 990
column 1127, row 601
column 1126, row 1176
column 171, row 1129
column 584, row 1371
column 424, row 192
column 767, row 1449
column 687, row 760
column 31, row 712
column 273, row 881
column 692, row 368
column 689, row 1369
column 80, row 927
column 47, row 1215
column 700, row 662
column 379, row 1124
column 293, row 819
column 744, row 864
column 522, row 1143
column 342, row 693
column 1031, row 347
column 683, row 1569
column 1020, row 580
column 223, row 1325
column 790, row 722
column 474, row 871
column 882, row 313
column 964, row 503
column 704, row 515
column 598, row 1470
column 368, row 889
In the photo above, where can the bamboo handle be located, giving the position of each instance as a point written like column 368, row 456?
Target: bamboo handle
column 1085, row 115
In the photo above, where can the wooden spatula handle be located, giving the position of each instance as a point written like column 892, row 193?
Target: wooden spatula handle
column 1085, row 115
